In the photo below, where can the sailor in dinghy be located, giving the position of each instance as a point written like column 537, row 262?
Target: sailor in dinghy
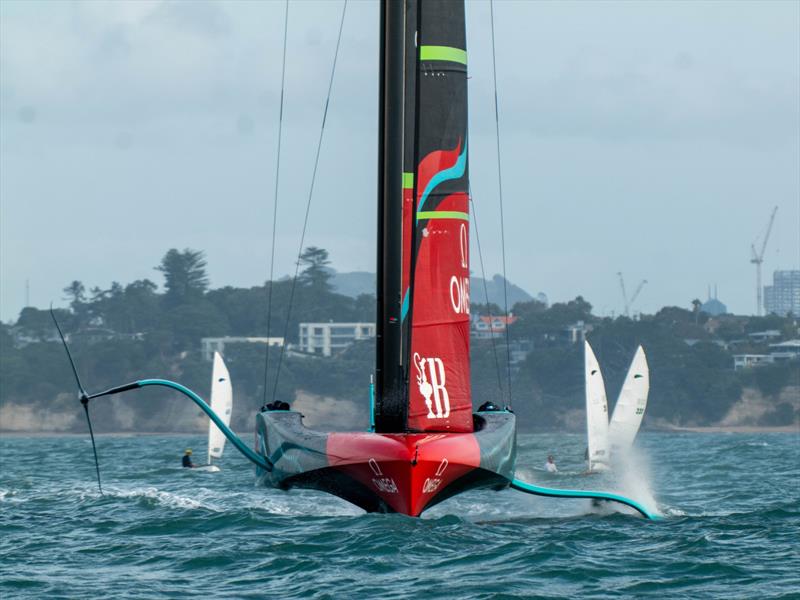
column 221, row 404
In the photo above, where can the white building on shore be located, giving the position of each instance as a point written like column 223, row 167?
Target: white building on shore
column 327, row 339
column 210, row 345
column 783, row 351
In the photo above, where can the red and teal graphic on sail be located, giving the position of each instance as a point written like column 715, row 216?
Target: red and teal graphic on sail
column 435, row 169
column 439, row 376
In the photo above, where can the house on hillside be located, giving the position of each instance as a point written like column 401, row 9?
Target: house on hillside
column 209, row 345
column 23, row 336
column 780, row 352
column 764, row 336
column 788, row 350
column 576, row 333
column 485, row 327
column 748, row 361
column 95, row 335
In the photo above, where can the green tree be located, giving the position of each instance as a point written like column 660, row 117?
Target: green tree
column 365, row 308
column 477, row 308
column 141, row 302
column 696, row 304
column 38, row 324
column 316, row 273
column 185, row 277
column 536, row 319
column 133, row 308
column 192, row 321
column 76, row 294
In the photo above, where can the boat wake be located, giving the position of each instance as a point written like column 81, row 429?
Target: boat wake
column 280, row 503
column 629, row 478
column 152, row 497
column 8, row 496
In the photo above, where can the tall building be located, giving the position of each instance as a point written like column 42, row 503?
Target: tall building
column 783, row 296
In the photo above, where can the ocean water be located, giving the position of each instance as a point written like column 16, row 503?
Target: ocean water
column 730, row 527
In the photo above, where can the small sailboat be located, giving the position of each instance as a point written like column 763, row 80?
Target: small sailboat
column 631, row 404
column 597, row 453
column 608, row 439
column 221, row 404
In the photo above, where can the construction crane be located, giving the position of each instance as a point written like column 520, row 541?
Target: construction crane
column 758, row 258
column 627, row 303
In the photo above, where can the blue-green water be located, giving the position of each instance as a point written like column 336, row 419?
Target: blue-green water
column 731, row 528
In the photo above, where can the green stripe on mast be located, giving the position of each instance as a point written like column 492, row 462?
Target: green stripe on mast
column 442, row 214
column 443, row 53
column 408, row 181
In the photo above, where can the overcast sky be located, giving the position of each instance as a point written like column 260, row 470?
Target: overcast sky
column 651, row 138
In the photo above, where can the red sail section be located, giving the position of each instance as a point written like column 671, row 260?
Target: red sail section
column 439, row 375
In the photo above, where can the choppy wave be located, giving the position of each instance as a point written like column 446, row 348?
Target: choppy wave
column 731, row 508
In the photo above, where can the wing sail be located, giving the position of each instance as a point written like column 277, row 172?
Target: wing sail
column 439, row 394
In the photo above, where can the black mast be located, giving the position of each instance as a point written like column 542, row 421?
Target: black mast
column 390, row 388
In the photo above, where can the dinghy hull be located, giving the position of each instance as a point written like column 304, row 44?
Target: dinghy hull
column 387, row 472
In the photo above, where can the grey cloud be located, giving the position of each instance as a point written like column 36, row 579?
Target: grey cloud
column 678, row 113
column 201, row 17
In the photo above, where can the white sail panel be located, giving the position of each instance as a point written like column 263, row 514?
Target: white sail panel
column 222, row 404
column 631, row 404
column 596, row 413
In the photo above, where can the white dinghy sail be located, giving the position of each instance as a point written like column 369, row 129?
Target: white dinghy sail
column 596, row 413
column 222, row 404
column 630, row 406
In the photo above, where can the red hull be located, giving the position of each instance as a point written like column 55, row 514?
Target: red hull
column 393, row 472
column 405, row 470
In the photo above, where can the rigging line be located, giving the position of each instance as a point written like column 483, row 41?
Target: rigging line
column 308, row 204
column 275, row 203
column 500, row 190
column 486, row 294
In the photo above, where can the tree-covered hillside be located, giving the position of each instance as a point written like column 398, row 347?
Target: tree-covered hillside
column 135, row 330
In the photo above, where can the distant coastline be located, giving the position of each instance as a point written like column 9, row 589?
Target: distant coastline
column 709, row 372
column 736, row 429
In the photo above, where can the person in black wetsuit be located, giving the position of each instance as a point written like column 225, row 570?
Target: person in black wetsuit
column 187, row 459
column 277, row 405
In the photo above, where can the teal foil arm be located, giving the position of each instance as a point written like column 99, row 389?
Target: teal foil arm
column 530, row 488
column 232, row 437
